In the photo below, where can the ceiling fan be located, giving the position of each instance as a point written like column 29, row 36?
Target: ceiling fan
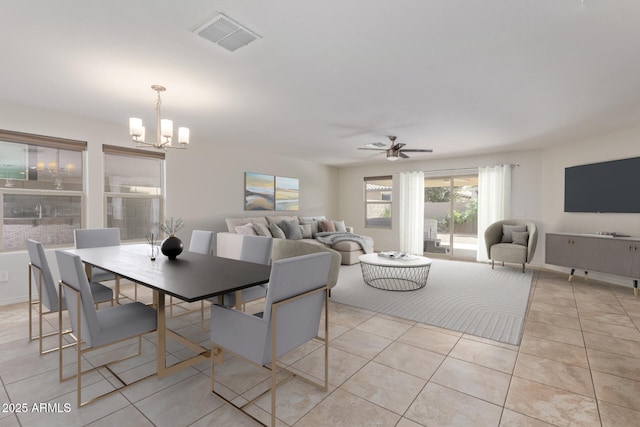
column 395, row 151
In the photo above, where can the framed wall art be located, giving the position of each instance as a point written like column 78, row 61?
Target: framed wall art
column 287, row 193
column 259, row 192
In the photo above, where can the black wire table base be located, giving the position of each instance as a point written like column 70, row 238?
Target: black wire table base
column 395, row 278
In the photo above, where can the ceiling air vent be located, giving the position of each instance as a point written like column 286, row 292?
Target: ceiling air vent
column 227, row 33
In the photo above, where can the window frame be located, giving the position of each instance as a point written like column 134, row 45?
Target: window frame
column 143, row 154
column 56, row 143
column 368, row 203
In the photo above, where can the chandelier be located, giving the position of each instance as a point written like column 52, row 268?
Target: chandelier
column 164, row 129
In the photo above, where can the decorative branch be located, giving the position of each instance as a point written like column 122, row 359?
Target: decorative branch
column 152, row 239
column 171, row 226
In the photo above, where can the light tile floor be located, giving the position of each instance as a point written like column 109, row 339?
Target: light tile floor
column 577, row 365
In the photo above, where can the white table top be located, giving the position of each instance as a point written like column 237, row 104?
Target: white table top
column 376, row 259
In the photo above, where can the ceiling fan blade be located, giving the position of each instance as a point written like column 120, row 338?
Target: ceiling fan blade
column 375, row 145
column 418, row 150
column 376, row 154
column 401, row 154
column 374, row 149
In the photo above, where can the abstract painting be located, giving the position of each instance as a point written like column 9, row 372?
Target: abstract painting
column 287, row 193
column 258, row 192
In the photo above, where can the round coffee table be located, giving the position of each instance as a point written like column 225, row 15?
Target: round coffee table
column 395, row 274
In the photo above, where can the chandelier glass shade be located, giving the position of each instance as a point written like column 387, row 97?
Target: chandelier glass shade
column 164, row 129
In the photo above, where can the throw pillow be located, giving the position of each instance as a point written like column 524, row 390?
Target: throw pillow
column 340, row 227
column 508, row 229
column 315, row 227
column 245, row 229
column 520, row 237
column 276, row 231
column 326, row 225
column 312, row 218
column 305, row 229
column 291, row 230
column 262, row 230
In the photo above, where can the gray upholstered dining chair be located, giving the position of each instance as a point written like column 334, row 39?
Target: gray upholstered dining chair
column 255, row 249
column 93, row 329
column 98, row 238
column 291, row 317
column 511, row 240
column 201, row 243
column 40, row 273
column 284, row 248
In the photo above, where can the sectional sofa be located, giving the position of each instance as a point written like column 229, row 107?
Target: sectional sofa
column 303, row 228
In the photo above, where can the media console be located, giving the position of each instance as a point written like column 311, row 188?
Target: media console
column 608, row 254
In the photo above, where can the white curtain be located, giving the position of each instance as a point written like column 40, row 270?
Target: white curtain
column 494, row 201
column 411, row 212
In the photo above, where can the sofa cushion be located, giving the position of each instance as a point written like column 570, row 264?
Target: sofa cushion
column 279, row 218
column 312, row 218
column 291, row 229
column 276, row 231
column 347, row 246
column 508, row 229
column 232, row 223
column 245, row 229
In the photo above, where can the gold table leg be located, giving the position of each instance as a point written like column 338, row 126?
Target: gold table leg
column 161, row 346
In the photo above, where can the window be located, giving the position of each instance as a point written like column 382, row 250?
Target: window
column 133, row 187
column 41, row 189
column 451, row 215
column 378, row 201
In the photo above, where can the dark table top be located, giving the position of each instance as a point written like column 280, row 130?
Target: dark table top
column 191, row 277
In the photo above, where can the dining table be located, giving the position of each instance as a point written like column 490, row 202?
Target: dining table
column 190, row 277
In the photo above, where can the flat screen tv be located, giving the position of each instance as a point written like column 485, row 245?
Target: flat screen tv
column 612, row 186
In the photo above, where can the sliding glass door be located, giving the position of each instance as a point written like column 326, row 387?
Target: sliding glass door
column 451, row 216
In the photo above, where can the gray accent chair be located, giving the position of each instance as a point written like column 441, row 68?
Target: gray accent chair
column 98, row 238
column 293, row 308
column 93, row 329
column 40, row 275
column 508, row 244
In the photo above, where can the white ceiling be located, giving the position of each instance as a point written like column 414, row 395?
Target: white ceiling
column 459, row 76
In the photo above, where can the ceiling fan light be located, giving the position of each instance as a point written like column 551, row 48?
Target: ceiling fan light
column 392, row 156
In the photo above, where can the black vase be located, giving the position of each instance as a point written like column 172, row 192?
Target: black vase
column 172, row 247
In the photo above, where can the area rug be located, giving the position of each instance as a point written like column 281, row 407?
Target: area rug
column 463, row 296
